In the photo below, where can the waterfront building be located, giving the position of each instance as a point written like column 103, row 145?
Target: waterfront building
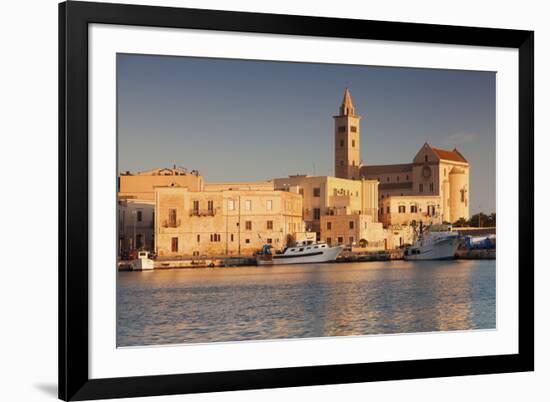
column 136, row 204
column 332, row 196
column 354, row 229
column 141, row 185
column 433, row 188
column 225, row 222
column 135, row 225
column 405, row 210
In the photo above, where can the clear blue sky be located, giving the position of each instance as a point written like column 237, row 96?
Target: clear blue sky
column 237, row 120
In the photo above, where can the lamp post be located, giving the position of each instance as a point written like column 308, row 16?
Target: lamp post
column 239, row 226
column 227, row 226
column 134, row 213
column 479, row 217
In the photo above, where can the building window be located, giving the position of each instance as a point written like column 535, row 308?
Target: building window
column 316, row 213
column 196, row 253
column 340, row 240
column 269, row 205
column 198, row 238
column 210, row 205
column 232, row 237
column 248, row 225
column 231, row 205
column 196, row 206
column 388, row 209
column 269, row 241
column 431, row 187
column 269, row 225
column 247, row 241
column 174, row 244
column 215, row 237
column 351, row 240
column 329, row 241
column 401, row 209
column 172, row 217
column 353, row 129
column 462, row 196
column 353, row 143
column 342, row 143
column 425, row 158
column 139, row 216
column 414, row 209
column 247, row 205
column 431, row 210
column 351, row 224
column 317, row 192
column 342, row 129
column 421, row 187
column 329, row 225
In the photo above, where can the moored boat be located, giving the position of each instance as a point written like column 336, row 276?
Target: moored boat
column 143, row 262
column 302, row 253
column 437, row 242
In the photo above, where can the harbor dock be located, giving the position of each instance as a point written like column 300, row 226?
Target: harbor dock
column 345, row 257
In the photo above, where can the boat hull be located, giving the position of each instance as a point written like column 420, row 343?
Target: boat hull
column 142, row 265
column 327, row 255
column 444, row 249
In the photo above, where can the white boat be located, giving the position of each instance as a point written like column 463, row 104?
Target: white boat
column 142, row 262
column 305, row 252
column 437, row 242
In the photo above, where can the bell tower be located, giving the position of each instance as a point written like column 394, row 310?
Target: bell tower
column 347, row 140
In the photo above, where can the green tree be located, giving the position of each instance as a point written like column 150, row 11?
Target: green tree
column 461, row 223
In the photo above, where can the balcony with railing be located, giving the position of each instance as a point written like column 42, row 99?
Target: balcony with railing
column 171, row 223
column 202, row 212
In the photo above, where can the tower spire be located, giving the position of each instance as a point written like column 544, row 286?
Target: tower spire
column 347, row 161
column 347, row 109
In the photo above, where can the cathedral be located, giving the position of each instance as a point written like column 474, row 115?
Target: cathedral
column 433, row 188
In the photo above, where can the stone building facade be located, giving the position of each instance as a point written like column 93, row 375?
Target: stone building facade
column 355, row 230
column 225, row 222
column 136, row 204
column 141, row 185
column 326, row 195
column 347, row 137
column 433, row 188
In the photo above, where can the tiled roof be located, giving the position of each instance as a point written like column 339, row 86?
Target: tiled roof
column 453, row 155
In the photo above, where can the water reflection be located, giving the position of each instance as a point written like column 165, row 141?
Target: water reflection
column 230, row 304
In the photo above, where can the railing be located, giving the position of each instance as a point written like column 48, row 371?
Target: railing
column 202, row 212
column 171, row 224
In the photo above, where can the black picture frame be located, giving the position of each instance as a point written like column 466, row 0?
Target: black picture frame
column 74, row 18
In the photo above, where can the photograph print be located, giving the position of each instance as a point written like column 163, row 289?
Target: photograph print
column 261, row 200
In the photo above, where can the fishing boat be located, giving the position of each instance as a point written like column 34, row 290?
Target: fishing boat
column 437, row 242
column 305, row 252
column 142, row 262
